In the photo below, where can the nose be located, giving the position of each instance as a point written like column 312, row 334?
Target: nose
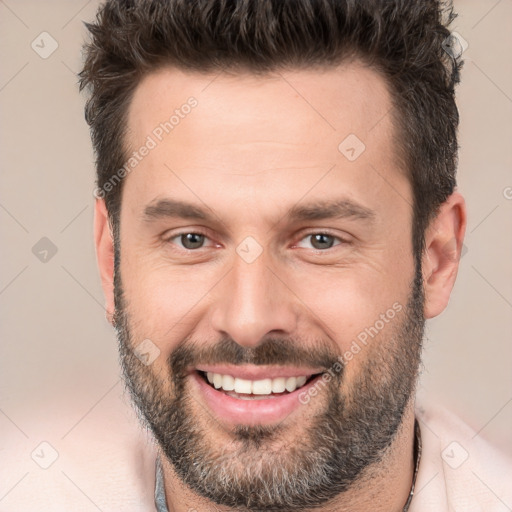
column 253, row 302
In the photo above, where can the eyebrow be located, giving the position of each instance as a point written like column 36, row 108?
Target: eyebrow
column 318, row 210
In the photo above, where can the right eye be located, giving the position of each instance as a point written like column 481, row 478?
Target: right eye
column 189, row 240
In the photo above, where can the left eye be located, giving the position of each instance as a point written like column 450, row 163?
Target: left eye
column 321, row 241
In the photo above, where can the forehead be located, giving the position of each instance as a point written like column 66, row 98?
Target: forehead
column 249, row 134
column 285, row 107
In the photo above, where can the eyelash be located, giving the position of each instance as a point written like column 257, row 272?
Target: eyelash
column 306, row 235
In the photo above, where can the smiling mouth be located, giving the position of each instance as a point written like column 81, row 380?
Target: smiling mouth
column 255, row 389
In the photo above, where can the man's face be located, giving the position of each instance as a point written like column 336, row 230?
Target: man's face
column 263, row 290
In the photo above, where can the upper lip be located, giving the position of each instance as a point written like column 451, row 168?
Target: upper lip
column 253, row 372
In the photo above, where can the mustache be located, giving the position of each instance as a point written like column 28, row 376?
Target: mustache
column 272, row 351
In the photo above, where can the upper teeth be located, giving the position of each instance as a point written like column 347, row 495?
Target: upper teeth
column 255, row 387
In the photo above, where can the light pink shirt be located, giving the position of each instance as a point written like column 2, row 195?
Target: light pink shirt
column 107, row 463
column 459, row 471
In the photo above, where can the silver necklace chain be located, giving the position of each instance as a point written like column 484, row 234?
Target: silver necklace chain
column 417, row 456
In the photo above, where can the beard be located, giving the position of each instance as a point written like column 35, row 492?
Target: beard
column 262, row 467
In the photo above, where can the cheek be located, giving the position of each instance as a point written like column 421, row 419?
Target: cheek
column 164, row 302
column 345, row 302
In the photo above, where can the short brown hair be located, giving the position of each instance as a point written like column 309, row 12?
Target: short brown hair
column 403, row 39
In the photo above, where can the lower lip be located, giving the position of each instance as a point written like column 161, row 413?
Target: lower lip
column 250, row 412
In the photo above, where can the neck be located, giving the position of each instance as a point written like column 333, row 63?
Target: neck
column 382, row 488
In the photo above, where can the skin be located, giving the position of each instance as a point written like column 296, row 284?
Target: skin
column 253, row 148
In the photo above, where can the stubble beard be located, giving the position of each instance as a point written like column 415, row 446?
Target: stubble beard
column 261, row 469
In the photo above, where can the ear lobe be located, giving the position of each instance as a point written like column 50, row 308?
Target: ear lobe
column 104, row 244
column 440, row 262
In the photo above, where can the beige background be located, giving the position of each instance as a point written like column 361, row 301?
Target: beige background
column 58, row 361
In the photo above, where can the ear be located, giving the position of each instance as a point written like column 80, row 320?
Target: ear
column 440, row 262
column 104, row 243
